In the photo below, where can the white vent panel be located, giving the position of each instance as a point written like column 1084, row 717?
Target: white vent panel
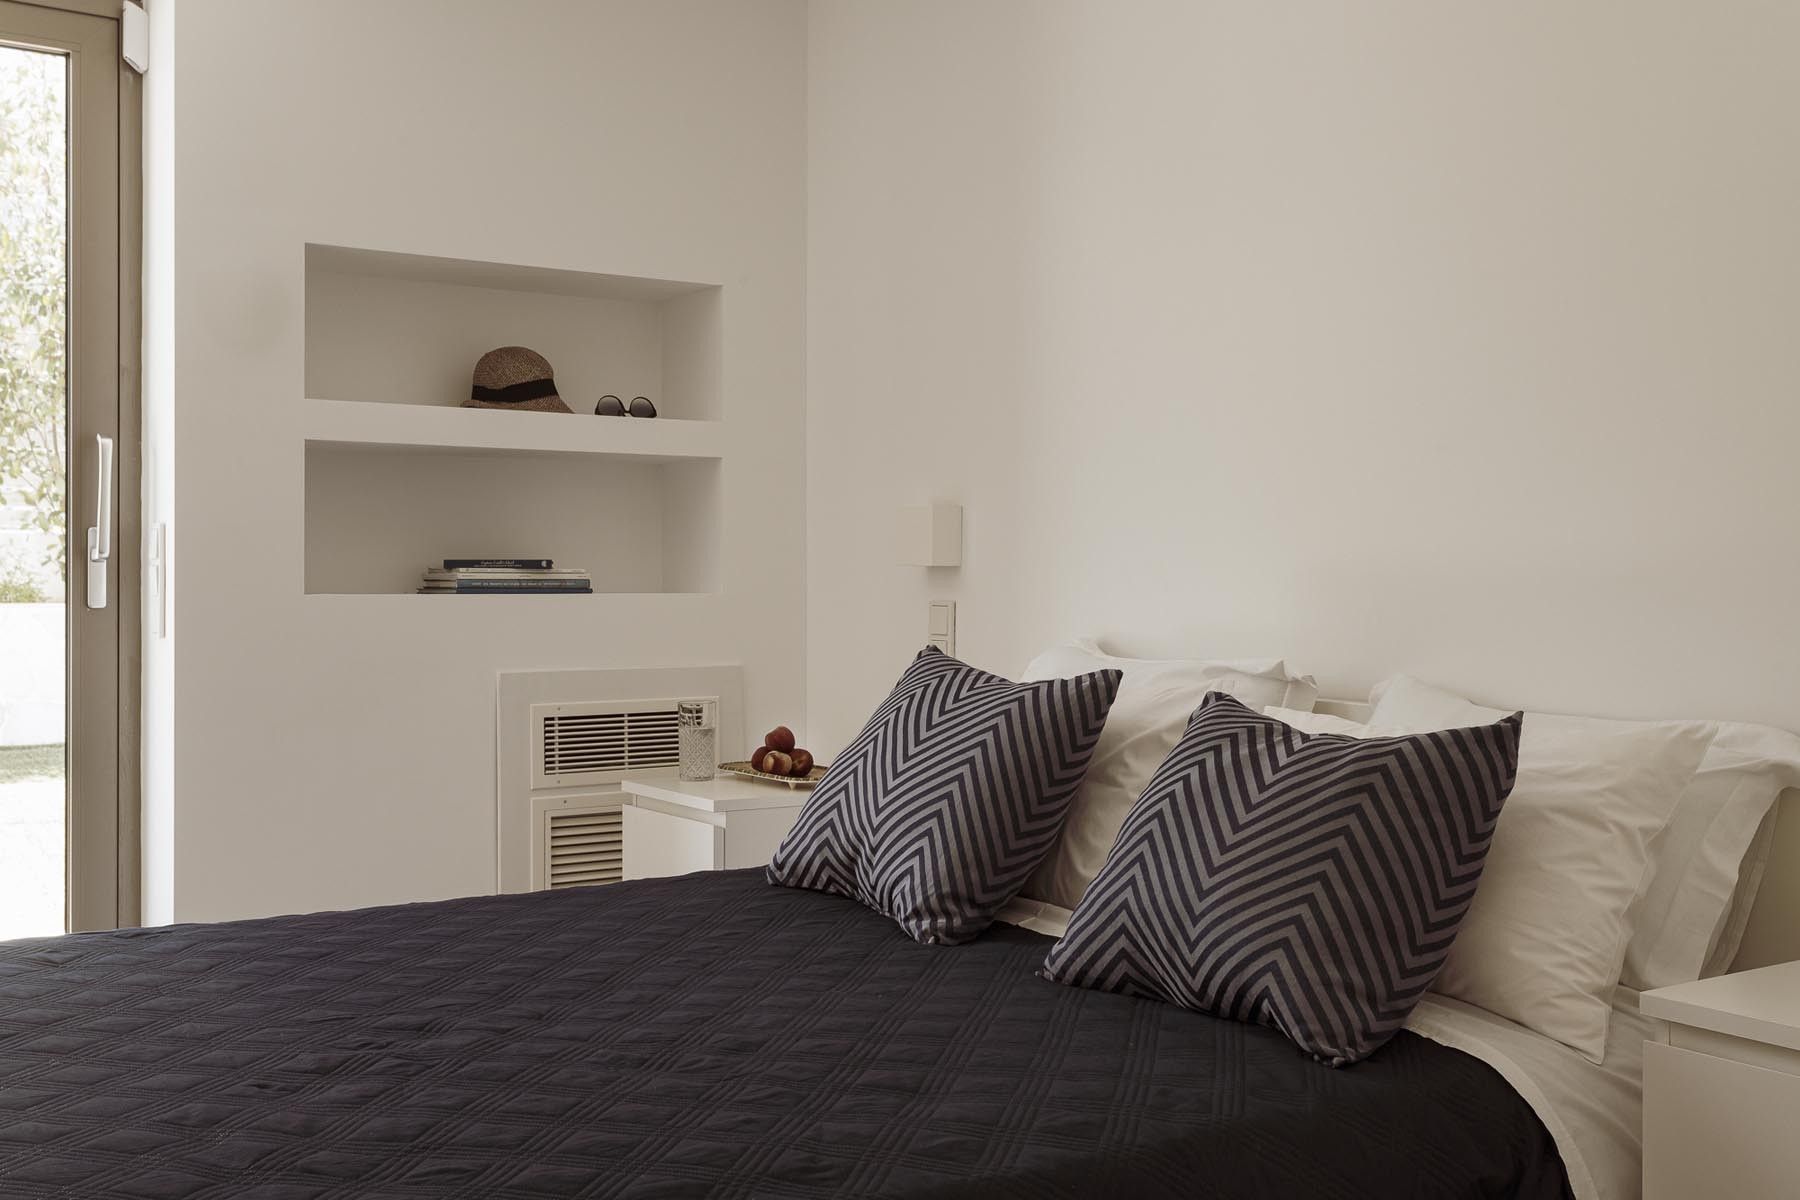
column 566, row 740
column 583, row 744
column 583, row 847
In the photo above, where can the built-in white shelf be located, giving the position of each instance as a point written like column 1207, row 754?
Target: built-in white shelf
column 506, row 277
column 407, row 329
column 377, row 515
column 399, row 475
column 368, row 604
column 417, row 428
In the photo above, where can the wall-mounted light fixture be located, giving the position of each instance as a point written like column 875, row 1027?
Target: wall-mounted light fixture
column 930, row 535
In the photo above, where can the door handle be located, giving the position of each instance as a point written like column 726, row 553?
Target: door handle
column 99, row 534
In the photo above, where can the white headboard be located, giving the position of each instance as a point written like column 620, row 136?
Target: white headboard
column 1773, row 932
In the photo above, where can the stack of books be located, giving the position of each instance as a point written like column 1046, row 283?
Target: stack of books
column 503, row 576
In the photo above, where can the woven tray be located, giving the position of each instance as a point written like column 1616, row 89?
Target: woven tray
column 794, row 781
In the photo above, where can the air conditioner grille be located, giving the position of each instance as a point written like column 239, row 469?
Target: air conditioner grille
column 586, row 746
column 584, row 847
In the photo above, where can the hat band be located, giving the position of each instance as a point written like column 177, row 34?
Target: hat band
column 518, row 393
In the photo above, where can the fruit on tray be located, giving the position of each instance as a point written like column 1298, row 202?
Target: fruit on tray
column 779, row 756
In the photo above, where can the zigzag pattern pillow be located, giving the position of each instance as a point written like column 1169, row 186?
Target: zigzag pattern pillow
column 1313, row 883
column 950, row 796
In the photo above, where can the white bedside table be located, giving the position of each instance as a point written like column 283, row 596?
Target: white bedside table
column 1722, row 1097
column 672, row 827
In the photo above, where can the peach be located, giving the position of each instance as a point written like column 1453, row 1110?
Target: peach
column 780, row 738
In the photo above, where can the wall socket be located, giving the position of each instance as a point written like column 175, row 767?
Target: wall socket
column 940, row 626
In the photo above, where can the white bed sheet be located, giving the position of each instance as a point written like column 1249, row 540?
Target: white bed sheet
column 1593, row 1111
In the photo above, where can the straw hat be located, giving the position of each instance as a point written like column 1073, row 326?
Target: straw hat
column 516, row 378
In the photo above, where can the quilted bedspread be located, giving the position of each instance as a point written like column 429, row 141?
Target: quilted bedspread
column 704, row 1036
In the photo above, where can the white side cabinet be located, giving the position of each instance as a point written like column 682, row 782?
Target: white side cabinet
column 1722, row 1096
column 672, row 827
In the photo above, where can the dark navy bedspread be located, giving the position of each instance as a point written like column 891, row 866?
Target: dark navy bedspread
column 705, row 1036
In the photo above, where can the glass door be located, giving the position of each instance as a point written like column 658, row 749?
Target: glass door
column 60, row 447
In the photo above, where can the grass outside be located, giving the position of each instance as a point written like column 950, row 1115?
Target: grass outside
column 19, row 763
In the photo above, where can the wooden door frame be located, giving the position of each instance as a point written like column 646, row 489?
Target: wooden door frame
column 128, row 898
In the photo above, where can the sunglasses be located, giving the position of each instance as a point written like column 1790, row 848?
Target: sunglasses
column 612, row 406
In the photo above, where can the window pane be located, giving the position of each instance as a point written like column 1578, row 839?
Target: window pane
column 33, row 459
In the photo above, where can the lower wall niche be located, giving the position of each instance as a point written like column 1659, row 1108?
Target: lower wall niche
column 376, row 517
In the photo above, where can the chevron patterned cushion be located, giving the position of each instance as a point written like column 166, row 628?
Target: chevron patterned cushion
column 950, row 796
column 1313, row 883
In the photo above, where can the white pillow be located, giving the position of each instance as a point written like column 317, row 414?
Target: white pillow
column 1156, row 697
column 1315, row 722
column 1709, row 861
column 1544, row 941
column 1730, row 938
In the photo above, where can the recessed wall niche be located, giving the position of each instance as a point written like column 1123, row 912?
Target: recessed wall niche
column 407, row 329
column 399, row 475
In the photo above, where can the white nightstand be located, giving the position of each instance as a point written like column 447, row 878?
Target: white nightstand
column 1722, row 1097
column 672, row 827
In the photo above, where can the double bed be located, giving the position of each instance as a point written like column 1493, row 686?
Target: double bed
column 709, row 1035
column 718, row 1036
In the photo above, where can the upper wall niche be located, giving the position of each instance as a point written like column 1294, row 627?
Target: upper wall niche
column 394, row 328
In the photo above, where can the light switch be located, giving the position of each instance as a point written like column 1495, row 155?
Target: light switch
column 940, row 625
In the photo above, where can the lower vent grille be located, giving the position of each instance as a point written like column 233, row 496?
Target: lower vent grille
column 585, row 847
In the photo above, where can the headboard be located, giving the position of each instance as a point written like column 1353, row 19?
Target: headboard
column 1772, row 934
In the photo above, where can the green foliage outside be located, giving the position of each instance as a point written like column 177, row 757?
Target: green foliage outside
column 33, row 296
column 19, row 586
column 21, row 763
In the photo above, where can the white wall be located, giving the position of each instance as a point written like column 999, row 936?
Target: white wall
column 1452, row 338
column 1448, row 338
column 156, row 826
column 338, row 751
